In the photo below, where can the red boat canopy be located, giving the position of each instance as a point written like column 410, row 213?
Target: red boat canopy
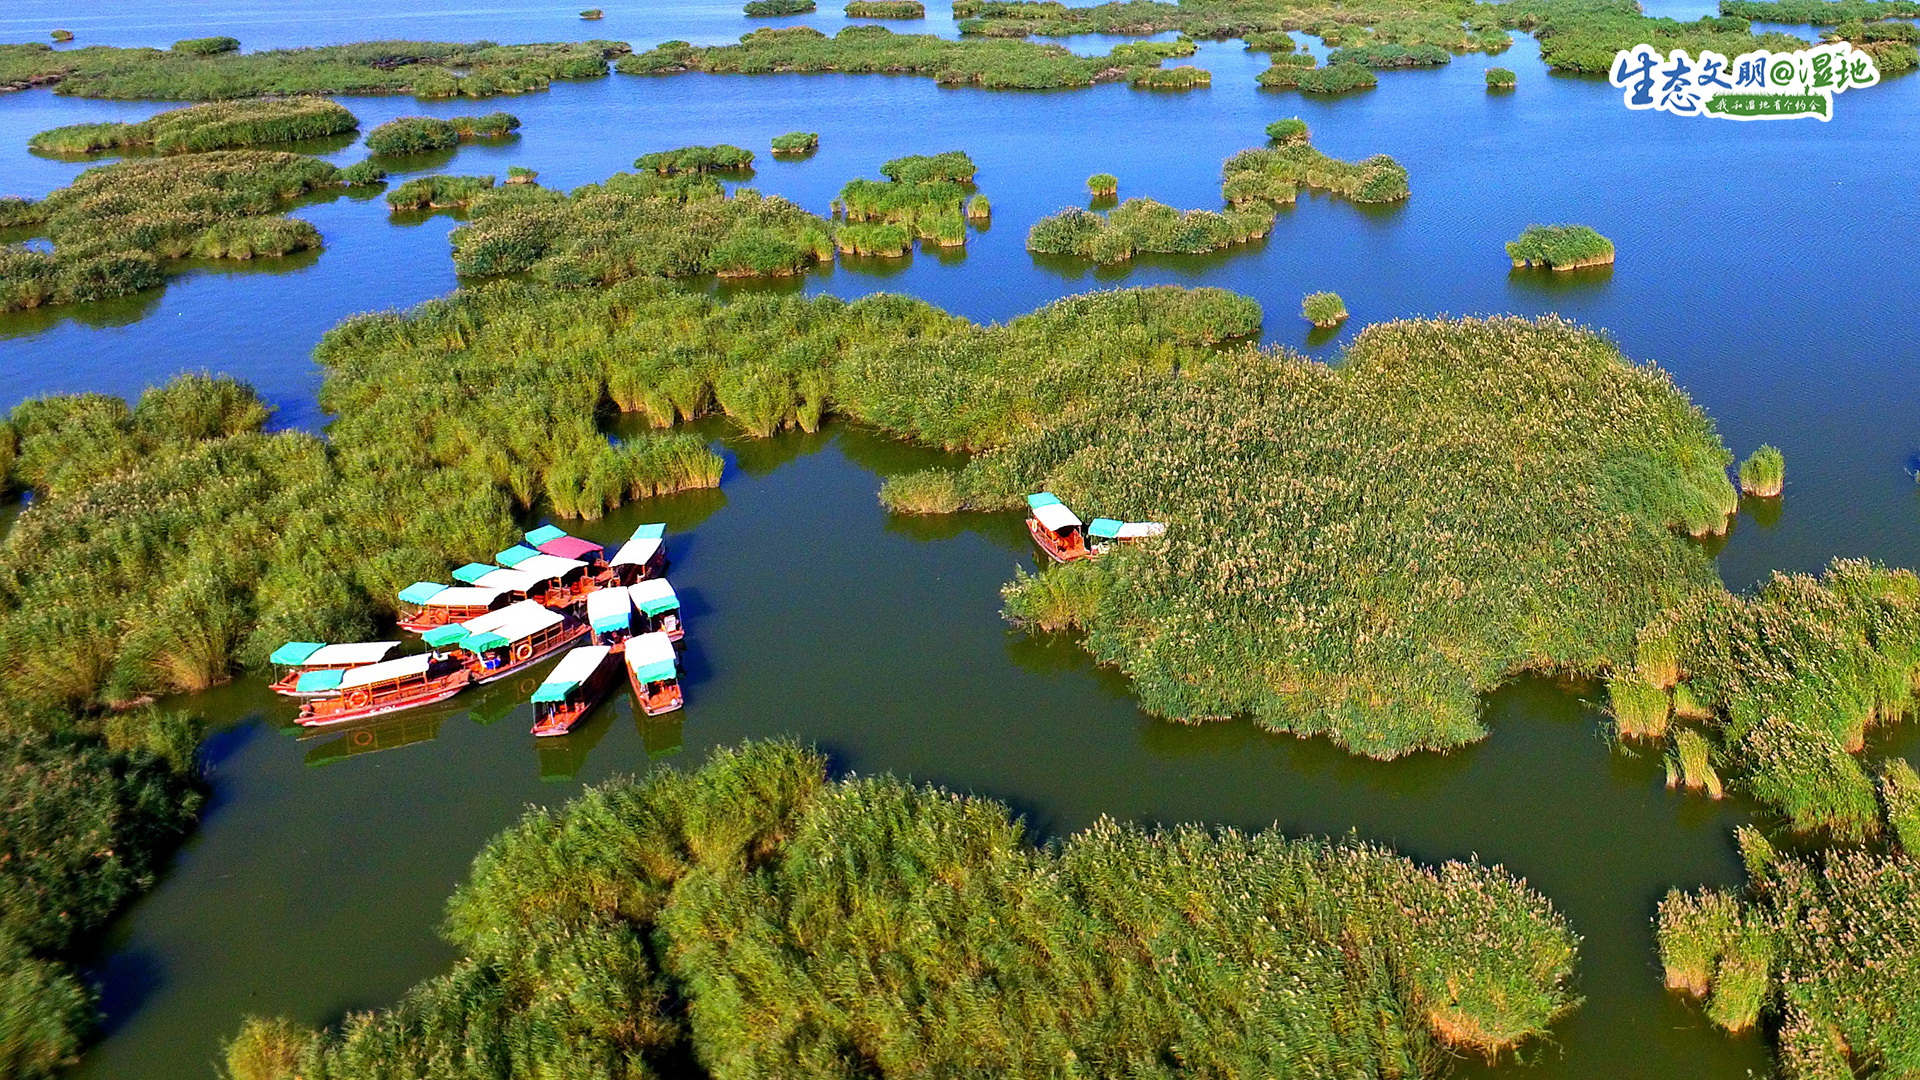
column 572, row 547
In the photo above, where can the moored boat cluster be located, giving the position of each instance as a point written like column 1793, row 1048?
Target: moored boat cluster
column 539, row 598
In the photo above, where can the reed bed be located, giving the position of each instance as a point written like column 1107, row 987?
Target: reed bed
column 1821, row 948
column 1900, row 797
column 778, row 7
column 439, row 192
column 1144, row 225
column 222, row 125
column 62, row 36
column 636, row 225
column 1584, row 35
column 424, row 134
column 866, row 49
column 111, row 225
column 1332, row 79
column 1270, row 173
column 422, row 68
column 1499, row 78
column 1289, row 131
column 927, row 197
column 1820, row 12
column 696, row 159
column 1764, row 473
column 748, row 919
column 1323, row 309
column 886, row 9
column 1560, row 247
column 593, row 14
column 1388, row 55
column 796, row 142
column 1103, row 185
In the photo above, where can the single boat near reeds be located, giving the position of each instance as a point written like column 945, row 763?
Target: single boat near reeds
column 610, row 616
column 389, row 686
column 1764, row 473
column 653, row 669
column 570, row 691
column 512, row 639
column 427, row 604
column 656, row 609
column 1056, row 529
column 313, row 669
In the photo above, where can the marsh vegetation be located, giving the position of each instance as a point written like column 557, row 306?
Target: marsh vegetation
column 928, row 197
column 1560, row 247
column 886, row 9
column 212, row 126
column 423, row 134
column 796, row 142
column 1323, row 309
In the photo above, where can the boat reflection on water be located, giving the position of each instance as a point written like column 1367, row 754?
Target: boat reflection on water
column 389, row 733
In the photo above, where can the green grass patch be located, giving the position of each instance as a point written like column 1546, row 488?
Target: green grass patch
column 1269, row 174
column 1387, row 55
column 1103, row 185
column 796, row 142
column 746, row 918
column 927, row 196
column 1143, row 225
column 760, row 8
column 1764, row 473
column 592, row 14
column 1560, row 247
column 1323, row 309
column 424, row 134
column 62, row 36
column 438, row 192
column 1499, row 78
column 1289, row 130
column 696, row 159
column 886, row 9
column 1820, row 12
column 220, row 125
column 207, row 46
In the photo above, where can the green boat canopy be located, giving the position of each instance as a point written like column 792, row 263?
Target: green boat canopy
column 515, row 555
column 480, row 643
column 442, row 636
column 473, row 572
column 1045, row 498
column 655, row 531
column 553, row 692
column 543, row 534
column 315, row 682
column 1103, row 528
column 659, row 672
column 421, row 591
column 295, row 652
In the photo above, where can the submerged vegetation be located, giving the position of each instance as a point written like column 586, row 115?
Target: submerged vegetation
column 749, row 918
column 421, row 134
column 422, row 68
column 995, row 64
column 1822, row 948
column 113, row 224
column 213, row 126
column 1560, row 247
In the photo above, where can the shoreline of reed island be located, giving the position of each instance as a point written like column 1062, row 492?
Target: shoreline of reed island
column 743, row 919
column 212, row 126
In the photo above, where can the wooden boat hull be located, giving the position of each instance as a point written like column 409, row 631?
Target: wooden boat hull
column 555, row 724
column 441, row 690
column 561, row 641
column 656, row 704
column 1047, row 542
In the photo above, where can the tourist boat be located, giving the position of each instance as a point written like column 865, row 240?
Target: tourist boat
column 571, row 690
column 656, row 608
column 567, row 580
column 610, row 616
column 427, row 604
column 551, row 541
column 654, row 670
column 1056, row 529
column 642, row 557
column 1104, row 533
column 517, row 584
column 310, row 668
column 389, row 686
column 502, row 642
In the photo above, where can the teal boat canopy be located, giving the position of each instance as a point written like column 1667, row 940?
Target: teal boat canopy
column 295, row 652
column 606, row 624
column 1103, row 529
column 655, row 531
column 316, row 682
column 661, row 605
column 421, row 591
column 657, row 672
column 515, row 555
column 480, row 643
column 473, row 572
column 553, row 692
column 1045, row 498
column 543, row 534
column 442, row 636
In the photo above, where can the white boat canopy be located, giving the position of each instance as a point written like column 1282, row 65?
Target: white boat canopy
column 1056, row 517
column 636, row 552
column 1135, row 530
column 609, row 609
column 350, row 654
column 510, row 579
column 464, row 596
column 494, row 620
column 578, row 665
column 528, row 619
column 386, row 671
column 650, row 657
column 546, row 566
column 653, row 596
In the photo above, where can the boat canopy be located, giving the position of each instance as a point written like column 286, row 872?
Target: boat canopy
column 514, row 555
column 654, row 596
column 1135, row 530
column 609, row 609
column 385, row 671
column 650, row 657
column 463, row 596
column 528, row 619
column 1056, row 517
column 573, row 669
column 655, row 531
column 1103, row 528
column 638, row 551
column 572, row 547
column 420, row 592
column 481, row 624
column 473, row 572
column 549, row 566
column 295, row 652
column 440, row 637
column 318, row 682
column 512, row 580
column 543, row 534
column 352, row 654
column 1044, row 498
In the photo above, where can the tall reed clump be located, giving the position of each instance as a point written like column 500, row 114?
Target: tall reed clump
column 635, row 225
column 438, row 192
column 1764, row 473
column 1499, row 78
column 86, row 821
column 745, row 919
column 1560, row 247
column 1323, row 309
column 1820, row 949
column 998, row 63
column 114, row 222
column 1144, row 225
column 1103, row 185
column 695, row 159
column 593, row 14
column 1059, row 598
column 1690, row 764
column 796, row 142
column 886, row 9
column 1290, row 72
column 223, row 125
column 929, row 197
column 1389, row 55
column 778, row 7
column 1900, row 796
column 1289, row 131
column 422, row 134
column 62, row 36
column 1270, row 173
